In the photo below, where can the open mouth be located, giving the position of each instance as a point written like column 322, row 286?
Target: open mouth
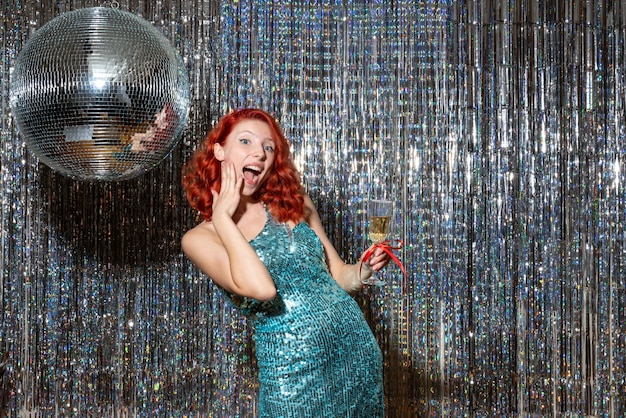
column 251, row 173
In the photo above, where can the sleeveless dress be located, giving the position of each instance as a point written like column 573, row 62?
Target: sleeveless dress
column 316, row 354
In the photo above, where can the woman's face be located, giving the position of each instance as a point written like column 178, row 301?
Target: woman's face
column 250, row 147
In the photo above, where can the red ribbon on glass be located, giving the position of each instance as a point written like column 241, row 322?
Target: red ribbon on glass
column 387, row 246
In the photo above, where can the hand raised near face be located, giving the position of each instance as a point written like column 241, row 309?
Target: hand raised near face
column 226, row 201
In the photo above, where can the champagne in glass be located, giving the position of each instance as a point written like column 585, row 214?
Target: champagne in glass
column 379, row 212
column 379, row 228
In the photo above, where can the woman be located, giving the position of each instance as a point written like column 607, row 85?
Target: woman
column 263, row 242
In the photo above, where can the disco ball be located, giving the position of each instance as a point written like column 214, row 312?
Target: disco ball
column 99, row 94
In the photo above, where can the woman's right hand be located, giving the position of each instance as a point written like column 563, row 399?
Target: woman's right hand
column 226, row 201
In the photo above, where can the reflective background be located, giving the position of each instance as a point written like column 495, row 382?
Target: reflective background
column 496, row 126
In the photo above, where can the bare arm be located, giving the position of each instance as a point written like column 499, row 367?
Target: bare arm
column 221, row 250
column 349, row 276
column 232, row 264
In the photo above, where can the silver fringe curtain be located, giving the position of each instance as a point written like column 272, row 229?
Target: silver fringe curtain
column 496, row 126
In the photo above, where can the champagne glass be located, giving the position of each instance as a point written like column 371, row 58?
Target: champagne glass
column 379, row 212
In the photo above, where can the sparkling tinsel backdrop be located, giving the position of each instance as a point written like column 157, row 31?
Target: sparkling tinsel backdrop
column 498, row 127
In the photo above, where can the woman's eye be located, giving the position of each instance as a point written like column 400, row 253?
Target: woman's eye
column 244, row 141
column 269, row 148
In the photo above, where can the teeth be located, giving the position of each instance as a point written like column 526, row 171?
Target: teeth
column 253, row 168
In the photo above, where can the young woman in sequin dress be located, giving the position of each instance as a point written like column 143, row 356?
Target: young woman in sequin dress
column 263, row 243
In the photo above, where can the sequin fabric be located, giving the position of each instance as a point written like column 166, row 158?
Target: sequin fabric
column 316, row 354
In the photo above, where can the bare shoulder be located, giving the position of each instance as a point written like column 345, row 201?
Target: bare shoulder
column 203, row 247
column 312, row 218
column 309, row 209
column 202, row 236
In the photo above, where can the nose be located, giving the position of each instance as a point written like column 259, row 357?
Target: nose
column 259, row 152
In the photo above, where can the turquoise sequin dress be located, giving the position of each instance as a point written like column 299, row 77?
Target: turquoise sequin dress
column 316, row 354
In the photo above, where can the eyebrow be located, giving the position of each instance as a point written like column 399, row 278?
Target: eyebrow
column 245, row 131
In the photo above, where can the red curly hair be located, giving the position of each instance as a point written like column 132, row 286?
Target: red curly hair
column 282, row 191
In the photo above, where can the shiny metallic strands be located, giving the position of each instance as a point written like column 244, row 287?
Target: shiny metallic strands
column 498, row 127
